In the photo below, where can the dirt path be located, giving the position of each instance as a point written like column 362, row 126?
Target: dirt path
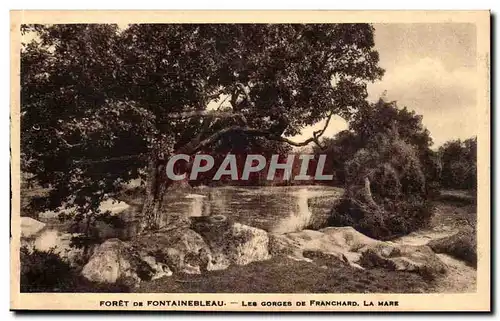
column 460, row 277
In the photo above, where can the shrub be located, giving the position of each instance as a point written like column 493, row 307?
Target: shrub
column 385, row 193
column 45, row 271
column 459, row 164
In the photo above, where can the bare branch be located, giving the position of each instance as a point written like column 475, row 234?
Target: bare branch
column 109, row 159
column 60, row 134
column 195, row 147
column 317, row 134
column 201, row 113
column 197, row 143
column 220, row 105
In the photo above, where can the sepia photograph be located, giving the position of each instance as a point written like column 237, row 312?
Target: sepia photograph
column 188, row 163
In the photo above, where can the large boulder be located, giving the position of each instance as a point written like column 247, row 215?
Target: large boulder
column 295, row 244
column 117, row 261
column 30, row 227
column 462, row 245
column 420, row 259
column 357, row 249
column 241, row 244
column 213, row 243
column 232, row 243
column 182, row 249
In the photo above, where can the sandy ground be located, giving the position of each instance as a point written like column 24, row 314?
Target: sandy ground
column 460, row 277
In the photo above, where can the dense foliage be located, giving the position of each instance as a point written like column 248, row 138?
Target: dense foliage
column 385, row 190
column 43, row 271
column 459, row 164
column 386, row 165
column 100, row 104
column 382, row 118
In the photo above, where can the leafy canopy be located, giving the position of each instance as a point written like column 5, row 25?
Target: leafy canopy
column 96, row 100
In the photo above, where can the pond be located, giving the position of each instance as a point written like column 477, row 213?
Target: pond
column 274, row 209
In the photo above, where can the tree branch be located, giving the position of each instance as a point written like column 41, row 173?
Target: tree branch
column 196, row 144
column 201, row 113
column 254, row 132
column 109, row 159
column 317, row 134
column 60, row 134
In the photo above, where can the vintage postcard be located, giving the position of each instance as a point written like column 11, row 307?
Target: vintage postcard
column 250, row 160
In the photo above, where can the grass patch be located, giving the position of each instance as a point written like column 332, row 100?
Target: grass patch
column 284, row 275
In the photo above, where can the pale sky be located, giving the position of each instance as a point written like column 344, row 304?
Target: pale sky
column 430, row 68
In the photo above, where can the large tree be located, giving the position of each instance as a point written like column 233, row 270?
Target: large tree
column 99, row 103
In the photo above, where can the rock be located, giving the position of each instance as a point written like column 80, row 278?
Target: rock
column 159, row 269
column 462, row 245
column 349, row 238
column 358, row 250
column 235, row 244
column 30, row 226
column 183, row 250
column 295, row 244
column 215, row 245
column 420, row 259
column 117, row 261
column 59, row 243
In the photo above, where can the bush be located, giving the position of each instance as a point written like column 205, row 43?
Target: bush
column 386, row 195
column 43, row 271
column 46, row 272
column 459, row 164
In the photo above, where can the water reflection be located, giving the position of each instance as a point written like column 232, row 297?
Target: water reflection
column 275, row 209
column 298, row 218
column 196, row 205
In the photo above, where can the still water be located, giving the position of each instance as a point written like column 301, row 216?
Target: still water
column 274, row 209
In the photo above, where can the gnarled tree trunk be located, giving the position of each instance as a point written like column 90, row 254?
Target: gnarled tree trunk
column 156, row 187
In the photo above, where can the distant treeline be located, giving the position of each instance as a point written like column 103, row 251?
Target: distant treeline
column 459, row 164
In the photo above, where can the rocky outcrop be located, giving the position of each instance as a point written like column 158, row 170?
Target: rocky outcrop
column 117, row 261
column 462, row 245
column 348, row 245
column 239, row 245
column 420, row 259
column 183, row 250
column 232, row 243
column 213, row 243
